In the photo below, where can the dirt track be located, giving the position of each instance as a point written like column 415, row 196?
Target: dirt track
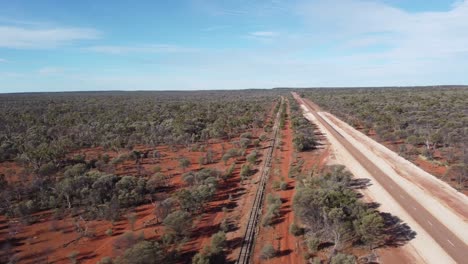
column 450, row 246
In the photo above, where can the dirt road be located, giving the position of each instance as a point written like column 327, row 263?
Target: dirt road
column 452, row 243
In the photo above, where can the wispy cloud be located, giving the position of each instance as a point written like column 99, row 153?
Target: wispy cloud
column 3, row 60
column 50, row 70
column 407, row 35
column 265, row 34
column 158, row 48
column 214, row 28
column 21, row 22
column 39, row 38
column 242, row 8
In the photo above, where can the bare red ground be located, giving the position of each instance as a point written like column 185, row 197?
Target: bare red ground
column 438, row 167
column 278, row 235
column 290, row 249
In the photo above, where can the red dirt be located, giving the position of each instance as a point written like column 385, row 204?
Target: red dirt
column 290, row 249
column 431, row 167
column 438, row 169
column 44, row 239
column 278, row 235
column 246, row 192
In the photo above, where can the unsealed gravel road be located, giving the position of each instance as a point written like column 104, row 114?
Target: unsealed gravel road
column 453, row 244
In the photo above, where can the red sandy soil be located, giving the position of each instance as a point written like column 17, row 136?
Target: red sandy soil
column 12, row 171
column 438, row 168
column 290, row 249
column 44, row 240
column 243, row 197
column 278, row 234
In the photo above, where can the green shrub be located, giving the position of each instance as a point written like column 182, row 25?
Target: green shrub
column 312, row 244
column 341, row 258
column 268, row 252
column 218, row 242
column 283, row 186
column 295, row 230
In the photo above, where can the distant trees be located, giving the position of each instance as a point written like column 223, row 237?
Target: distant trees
column 53, row 125
column 430, row 119
column 114, row 126
column 96, row 194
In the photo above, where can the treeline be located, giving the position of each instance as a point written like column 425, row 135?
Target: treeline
column 331, row 213
column 39, row 131
column 91, row 194
column 429, row 119
column 41, row 128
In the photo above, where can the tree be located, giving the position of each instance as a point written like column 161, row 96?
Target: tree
column 184, row 163
column 268, row 251
column 295, row 230
column 209, row 156
column 165, row 207
column 252, row 157
column 124, row 242
column 370, row 227
column 72, row 256
column 145, row 252
column 156, row 181
column 341, row 258
column 218, row 242
column 312, row 244
column 229, row 172
column 201, row 258
column 460, row 173
column 179, row 222
column 245, row 171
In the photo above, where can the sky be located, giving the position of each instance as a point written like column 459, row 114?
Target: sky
column 219, row 44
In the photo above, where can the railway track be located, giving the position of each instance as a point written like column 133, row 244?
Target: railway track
column 249, row 237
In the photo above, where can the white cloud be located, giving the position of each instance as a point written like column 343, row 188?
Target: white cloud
column 50, row 70
column 266, row 34
column 243, row 8
column 160, row 48
column 214, row 28
column 411, row 35
column 38, row 38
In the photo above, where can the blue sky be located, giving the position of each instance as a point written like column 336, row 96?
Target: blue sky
column 208, row 44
